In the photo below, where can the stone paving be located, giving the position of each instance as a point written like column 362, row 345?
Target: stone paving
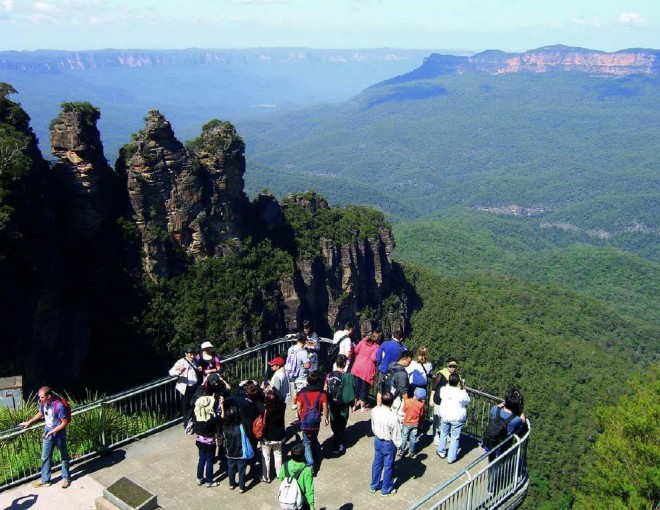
column 165, row 464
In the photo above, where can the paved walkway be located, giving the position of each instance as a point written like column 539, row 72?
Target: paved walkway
column 165, row 464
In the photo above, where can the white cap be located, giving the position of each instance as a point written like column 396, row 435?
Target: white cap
column 207, row 345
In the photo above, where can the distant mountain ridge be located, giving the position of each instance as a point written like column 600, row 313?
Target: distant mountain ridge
column 541, row 60
column 54, row 60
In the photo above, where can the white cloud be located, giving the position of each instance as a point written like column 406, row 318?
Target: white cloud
column 43, row 7
column 6, row 6
column 631, row 18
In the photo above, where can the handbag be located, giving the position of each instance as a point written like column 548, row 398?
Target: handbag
column 248, row 452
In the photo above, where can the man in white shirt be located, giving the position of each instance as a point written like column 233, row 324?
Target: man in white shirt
column 387, row 438
column 343, row 338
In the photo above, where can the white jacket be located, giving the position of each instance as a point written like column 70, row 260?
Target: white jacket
column 186, row 373
column 453, row 406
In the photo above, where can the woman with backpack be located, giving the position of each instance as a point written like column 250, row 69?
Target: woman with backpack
column 274, row 434
column 238, row 449
column 419, row 371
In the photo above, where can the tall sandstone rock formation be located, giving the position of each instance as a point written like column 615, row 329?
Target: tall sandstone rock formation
column 90, row 187
column 346, row 280
column 185, row 201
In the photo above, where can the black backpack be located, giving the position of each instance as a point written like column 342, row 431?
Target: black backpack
column 388, row 383
column 496, row 430
column 335, row 387
column 333, row 351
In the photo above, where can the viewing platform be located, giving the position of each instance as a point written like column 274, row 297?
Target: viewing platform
column 163, row 460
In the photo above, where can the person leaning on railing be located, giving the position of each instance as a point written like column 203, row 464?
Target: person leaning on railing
column 57, row 416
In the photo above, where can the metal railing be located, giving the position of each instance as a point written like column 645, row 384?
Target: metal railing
column 487, row 482
column 112, row 421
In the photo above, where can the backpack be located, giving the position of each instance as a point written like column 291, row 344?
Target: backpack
column 64, row 403
column 333, row 351
column 335, row 386
column 496, row 430
column 291, row 366
column 289, row 495
column 388, row 383
column 259, row 426
column 417, row 378
column 312, row 418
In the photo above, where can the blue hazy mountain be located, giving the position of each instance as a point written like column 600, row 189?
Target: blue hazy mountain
column 191, row 86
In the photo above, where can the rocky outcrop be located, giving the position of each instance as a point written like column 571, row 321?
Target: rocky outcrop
column 542, row 60
column 186, row 202
column 91, row 189
column 344, row 280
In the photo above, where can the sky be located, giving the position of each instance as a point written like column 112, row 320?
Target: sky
column 467, row 25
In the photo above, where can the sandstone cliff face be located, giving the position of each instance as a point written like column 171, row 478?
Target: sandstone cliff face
column 185, row 202
column 89, row 185
column 345, row 281
column 562, row 58
column 541, row 60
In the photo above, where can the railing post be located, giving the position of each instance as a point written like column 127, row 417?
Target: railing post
column 518, row 445
column 104, row 444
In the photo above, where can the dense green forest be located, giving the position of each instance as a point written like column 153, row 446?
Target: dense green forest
column 580, row 151
column 468, row 242
column 623, row 469
column 567, row 352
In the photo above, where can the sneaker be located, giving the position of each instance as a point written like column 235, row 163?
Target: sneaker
column 200, row 482
column 66, row 484
column 441, row 455
column 212, row 484
column 341, row 448
column 39, row 483
column 393, row 491
column 372, row 491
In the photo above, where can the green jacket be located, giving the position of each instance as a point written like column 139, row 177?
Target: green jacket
column 305, row 480
column 347, row 397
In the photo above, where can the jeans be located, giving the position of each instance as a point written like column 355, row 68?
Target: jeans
column 451, row 430
column 49, row 444
column 233, row 466
column 310, row 439
column 205, row 460
column 266, row 448
column 408, row 433
column 384, row 452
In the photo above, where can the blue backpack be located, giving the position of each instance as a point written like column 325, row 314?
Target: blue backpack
column 312, row 419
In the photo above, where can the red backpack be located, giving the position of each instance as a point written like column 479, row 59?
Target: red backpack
column 64, row 403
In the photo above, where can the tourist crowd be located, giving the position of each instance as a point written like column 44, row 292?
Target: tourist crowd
column 244, row 428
